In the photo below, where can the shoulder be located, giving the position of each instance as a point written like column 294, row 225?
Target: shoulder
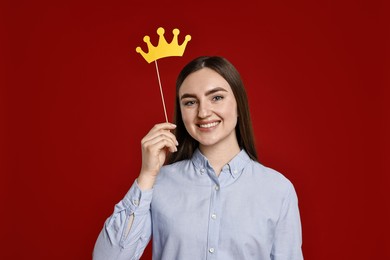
column 174, row 170
column 175, row 167
column 269, row 177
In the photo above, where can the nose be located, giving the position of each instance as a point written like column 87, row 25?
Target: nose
column 204, row 110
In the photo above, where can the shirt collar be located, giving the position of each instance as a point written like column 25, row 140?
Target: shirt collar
column 234, row 167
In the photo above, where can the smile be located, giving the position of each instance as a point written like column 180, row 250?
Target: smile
column 209, row 125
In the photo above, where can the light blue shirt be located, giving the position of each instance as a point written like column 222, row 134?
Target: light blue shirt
column 248, row 212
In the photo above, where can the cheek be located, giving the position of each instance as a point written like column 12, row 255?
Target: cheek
column 186, row 117
column 230, row 110
column 235, row 109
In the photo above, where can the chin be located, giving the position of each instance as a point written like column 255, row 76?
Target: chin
column 207, row 143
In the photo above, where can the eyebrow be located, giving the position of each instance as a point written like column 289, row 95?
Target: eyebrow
column 209, row 92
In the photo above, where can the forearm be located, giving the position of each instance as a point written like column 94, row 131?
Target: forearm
column 128, row 230
column 146, row 180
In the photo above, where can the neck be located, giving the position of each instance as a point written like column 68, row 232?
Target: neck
column 219, row 155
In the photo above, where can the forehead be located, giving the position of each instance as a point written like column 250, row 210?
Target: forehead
column 203, row 80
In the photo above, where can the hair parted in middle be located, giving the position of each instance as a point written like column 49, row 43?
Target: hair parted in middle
column 244, row 129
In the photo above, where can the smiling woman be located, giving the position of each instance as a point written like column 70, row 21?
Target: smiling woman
column 209, row 113
column 212, row 199
column 226, row 81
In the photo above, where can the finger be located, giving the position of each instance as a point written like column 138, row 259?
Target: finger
column 158, row 144
column 163, row 126
column 159, row 138
column 159, row 134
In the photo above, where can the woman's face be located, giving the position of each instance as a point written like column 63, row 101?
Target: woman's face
column 209, row 109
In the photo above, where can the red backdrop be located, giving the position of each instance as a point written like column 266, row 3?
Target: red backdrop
column 76, row 99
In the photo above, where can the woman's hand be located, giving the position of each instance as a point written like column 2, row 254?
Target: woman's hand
column 155, row 145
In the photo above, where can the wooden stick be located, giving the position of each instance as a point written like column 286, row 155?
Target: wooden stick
column 161, row 92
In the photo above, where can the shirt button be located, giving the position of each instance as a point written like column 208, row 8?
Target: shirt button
column 235, row 171
column 216, row 187
column 201, row 171
column 213, row 216
column 135, row 202
column 211, row 250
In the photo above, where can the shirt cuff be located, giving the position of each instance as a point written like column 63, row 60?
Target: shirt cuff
column 138, row 201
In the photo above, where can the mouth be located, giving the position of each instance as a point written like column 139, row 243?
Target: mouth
column 208, row 125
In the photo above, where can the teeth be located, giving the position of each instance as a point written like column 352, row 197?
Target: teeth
column 209, row 125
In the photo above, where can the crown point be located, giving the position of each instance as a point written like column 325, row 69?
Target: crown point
column 138, row 49
column 176, row 31
column 188, row 38
column 160, row 31
column 146, row 39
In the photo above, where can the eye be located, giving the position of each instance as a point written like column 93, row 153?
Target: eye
column 189, row 103
column 217, row 98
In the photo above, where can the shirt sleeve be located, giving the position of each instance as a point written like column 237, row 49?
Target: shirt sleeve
column 118, row 240
column 288, row 234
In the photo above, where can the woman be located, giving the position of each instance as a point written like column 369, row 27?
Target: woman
column 212, row 200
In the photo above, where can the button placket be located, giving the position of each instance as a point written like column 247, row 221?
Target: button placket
column 214, row 221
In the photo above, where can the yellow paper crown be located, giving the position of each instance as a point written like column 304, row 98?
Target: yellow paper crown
column 163, row 49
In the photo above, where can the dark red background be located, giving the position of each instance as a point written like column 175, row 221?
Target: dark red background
column 76, row 99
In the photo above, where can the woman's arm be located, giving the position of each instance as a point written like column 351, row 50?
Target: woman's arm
column 288, row 234
column 128, row 230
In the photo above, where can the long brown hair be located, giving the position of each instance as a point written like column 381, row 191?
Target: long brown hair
column 244, row 130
